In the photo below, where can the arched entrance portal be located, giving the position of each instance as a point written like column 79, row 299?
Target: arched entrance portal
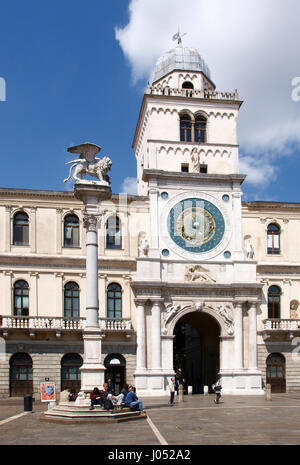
column 196, row 350
column 116, row 371
column 70, row 372
column 276, row 372
column 21, row 375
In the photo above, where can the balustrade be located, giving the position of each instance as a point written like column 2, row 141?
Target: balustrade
column 21, row 322
column 193, row 93
column 281, row 324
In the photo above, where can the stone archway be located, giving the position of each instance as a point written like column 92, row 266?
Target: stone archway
column 196, row 349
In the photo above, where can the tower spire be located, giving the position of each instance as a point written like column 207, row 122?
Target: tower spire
column 178, row 36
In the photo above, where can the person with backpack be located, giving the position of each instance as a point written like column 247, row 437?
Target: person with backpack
column 107, row 398
column 217, row 390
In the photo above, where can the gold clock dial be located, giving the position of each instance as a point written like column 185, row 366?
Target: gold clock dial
column 196, row 225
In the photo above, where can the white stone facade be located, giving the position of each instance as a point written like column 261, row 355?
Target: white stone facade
column 223, row 289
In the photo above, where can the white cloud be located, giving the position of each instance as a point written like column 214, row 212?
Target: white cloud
column 129, row 186
column 251, row 45
column 259, row 172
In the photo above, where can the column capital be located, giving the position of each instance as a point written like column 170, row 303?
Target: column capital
column 157, row 301
column 139, row 301
column 238, row 303
column 91, row 222
column 252, row 305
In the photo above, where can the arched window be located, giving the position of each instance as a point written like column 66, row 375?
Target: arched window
column 274, row 293
column 71, row 300
column 185, row 128
column 187, row 85
column 114, row 301
column 113, row 233
column 71, row 231
column 200, row 129
column 21, row 298
column 273, row 239
column 21, row 229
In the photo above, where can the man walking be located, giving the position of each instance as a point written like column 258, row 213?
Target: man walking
column 172, row 390
column 217, row 389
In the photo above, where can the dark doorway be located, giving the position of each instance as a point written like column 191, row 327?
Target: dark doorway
column 196, row 350
column 70, row 372
column 116, row 371
column 21, row 378
column 276, row 372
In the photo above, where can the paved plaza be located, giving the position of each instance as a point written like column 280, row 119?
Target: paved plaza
column 196, row 421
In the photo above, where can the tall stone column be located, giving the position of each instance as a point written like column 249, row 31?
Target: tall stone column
column 141, row 335
column 156, row 334
column 92, row 370
column 238, row 336
column 252, row 365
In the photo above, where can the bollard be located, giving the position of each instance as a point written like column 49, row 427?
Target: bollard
column 190, row 389
column 205, row 390
column 51, row 404
column 180, row 393
column 268, row 392
column 28, row 403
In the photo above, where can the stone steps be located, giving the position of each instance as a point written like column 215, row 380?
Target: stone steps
column 65, row 411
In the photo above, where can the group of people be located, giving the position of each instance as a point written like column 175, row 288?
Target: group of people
column 174, row 385
column 107, row 400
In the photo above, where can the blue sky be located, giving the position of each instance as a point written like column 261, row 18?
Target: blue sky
column 67, row 82
column 76, row 70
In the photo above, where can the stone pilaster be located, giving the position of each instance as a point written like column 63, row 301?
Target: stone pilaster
column 141, row 351
column 156, row 334
column 238, row 335
column 252, row 357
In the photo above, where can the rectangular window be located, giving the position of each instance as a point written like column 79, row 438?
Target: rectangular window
column 184, row 167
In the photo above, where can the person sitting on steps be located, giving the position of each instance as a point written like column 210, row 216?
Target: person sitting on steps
column 132, row 401
column 96, row 398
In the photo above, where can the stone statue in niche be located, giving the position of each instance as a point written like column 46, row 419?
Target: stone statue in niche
column 293, row 309
column 143, row 245
column 195, row 159
column 197, row 273
column 249, row 249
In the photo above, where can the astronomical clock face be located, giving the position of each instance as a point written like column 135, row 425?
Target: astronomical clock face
column 196, row 225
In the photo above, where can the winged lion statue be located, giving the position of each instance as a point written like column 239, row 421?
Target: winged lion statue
column 89, row 163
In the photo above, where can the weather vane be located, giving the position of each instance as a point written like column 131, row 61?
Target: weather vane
column 178, row 36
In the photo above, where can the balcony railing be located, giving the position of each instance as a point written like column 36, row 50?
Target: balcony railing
column 45, row 323
column 281, row 325
column 204, row 94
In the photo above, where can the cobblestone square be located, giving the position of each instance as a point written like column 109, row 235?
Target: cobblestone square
column 198, row 420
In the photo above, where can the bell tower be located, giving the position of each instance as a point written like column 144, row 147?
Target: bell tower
column 185, row 124
column 187, row 158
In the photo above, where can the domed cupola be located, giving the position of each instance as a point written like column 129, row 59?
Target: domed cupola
column 180, row 59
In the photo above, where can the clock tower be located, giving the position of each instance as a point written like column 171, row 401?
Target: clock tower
column 196, row 268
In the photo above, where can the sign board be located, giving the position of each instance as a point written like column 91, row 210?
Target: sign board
column 47, row 392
